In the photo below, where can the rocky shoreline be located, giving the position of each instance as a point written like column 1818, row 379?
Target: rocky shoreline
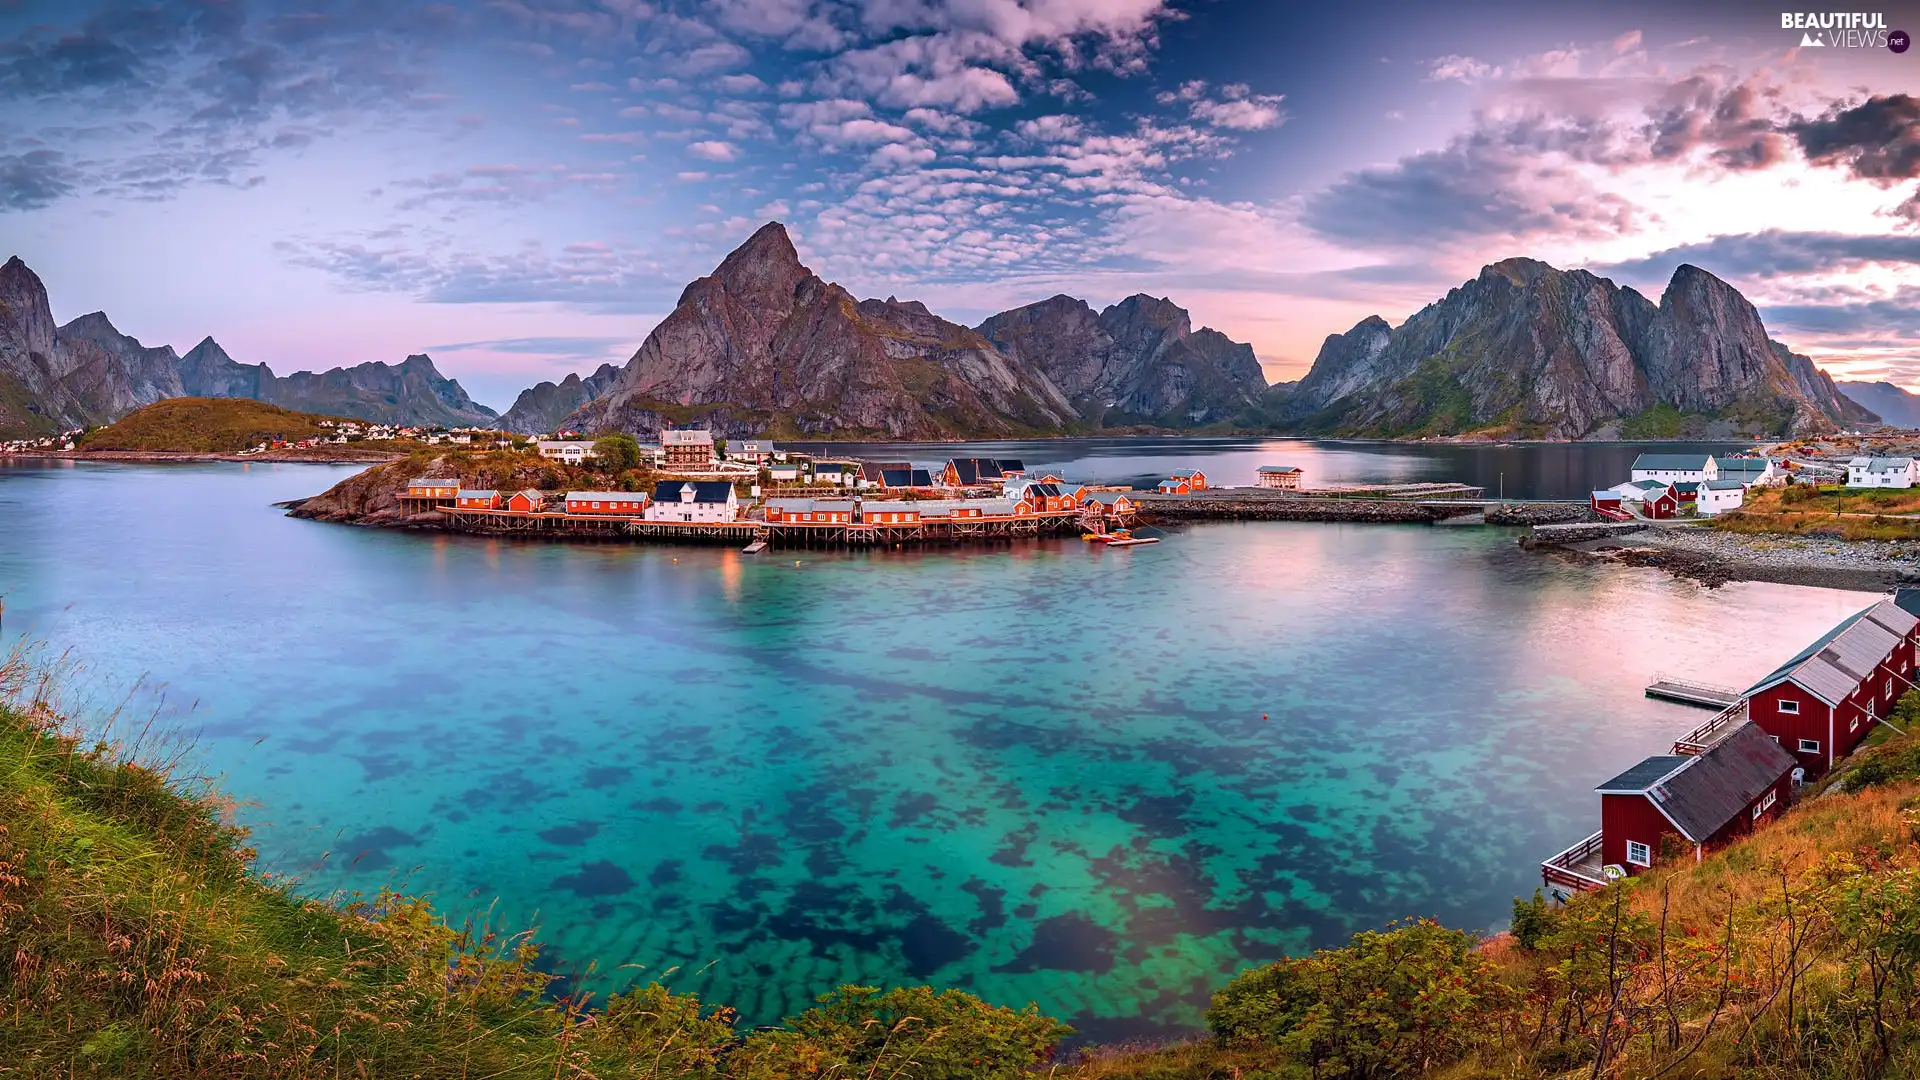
column 1714, row 558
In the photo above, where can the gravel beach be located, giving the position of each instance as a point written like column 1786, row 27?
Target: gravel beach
column 1713, row 558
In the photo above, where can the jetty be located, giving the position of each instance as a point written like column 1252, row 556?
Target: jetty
column 1689, row 692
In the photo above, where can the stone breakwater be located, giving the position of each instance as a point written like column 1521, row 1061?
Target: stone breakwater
column 1556, row 534
column 1540, row 514
column 1376, row 511
column 1714, row 558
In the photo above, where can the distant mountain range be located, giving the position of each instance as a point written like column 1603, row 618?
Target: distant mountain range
column 764, row 347
column 1898, row 407
column 1525, row 350
column 87, row 372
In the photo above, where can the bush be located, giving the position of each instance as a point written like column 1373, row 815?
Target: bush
column 1533, row 919
column 1391, row 1003
column 616, row 453
column 909, row 1031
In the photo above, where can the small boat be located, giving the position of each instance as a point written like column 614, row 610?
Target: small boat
column 1132, row 540
column 1106, row 537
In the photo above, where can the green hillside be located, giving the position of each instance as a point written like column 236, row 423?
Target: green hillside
column 204, row 426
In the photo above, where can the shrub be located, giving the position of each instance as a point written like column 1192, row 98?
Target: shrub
column 908, row 1031
column 1533, row 919
column 616, row 453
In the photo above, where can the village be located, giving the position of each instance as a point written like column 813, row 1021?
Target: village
column 1668, row 486
column 796, row 498
column 1740, row 769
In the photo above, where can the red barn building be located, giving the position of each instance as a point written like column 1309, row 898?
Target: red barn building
column 809, row 511
column 1666, row 504
column 1698, row 802
column 527, row 502
column 1824, row 701
column 477, row 499
column 1193, row 478
column 589, row 503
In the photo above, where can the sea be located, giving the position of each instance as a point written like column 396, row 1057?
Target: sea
column 1102, row 781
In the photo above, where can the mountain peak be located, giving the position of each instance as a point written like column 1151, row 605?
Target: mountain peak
column 769, row 246
column 1519, row 270
column 93, row 325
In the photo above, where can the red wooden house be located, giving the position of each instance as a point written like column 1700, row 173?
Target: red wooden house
column 892, row 513
column 1193, row 478
column 433, row 487
column 477, row 499
column 1695, row 802
column 1704, row 799
column 1824, row 701
column 1664, row 504
column 590, row 503
column 809, row 511
column 528, row 501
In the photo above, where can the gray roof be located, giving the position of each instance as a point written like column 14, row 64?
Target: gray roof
column 1279, row 468
column 1701, row 794
column 476, row 493
column 808, row 506
column 1842, row 658
column 1723, row 485
column 1907, row 599
column 1745, row 466
column 756, row 446
column 1673, row 462
column 1109, row 497
column 434, row 481
column 1647, row 485
column 605, row 496
column 930, row 508
column 1881, row 464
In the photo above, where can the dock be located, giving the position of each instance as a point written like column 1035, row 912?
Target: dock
column 1698, row 694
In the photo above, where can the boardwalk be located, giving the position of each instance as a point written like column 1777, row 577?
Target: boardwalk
column 1688, row 692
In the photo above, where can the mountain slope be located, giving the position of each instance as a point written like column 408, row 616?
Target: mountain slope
column 1894, row 405
column 1526, row 349
column 59, row 377
column 411, row 392
column 1138, row 361
column 544, row 407
column 763, row 345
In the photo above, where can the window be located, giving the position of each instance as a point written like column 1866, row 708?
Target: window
column 1639, row 854
column 1889, row 686
column 1809, row 746
column 1853, row 724
column 1765, row 804
column 1790, row 707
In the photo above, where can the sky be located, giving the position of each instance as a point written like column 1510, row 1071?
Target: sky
column 521, row 188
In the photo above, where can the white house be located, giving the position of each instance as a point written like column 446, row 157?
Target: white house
column 1671, row 468
column 757, row 451
column 693, row 501
column 567, row 450
column 1749, row 470
column 1882, row 472
column 1640, row 490
column 1719, row 496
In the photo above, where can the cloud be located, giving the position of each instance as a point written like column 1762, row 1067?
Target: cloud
column 714, row 151
column 34, row 179
column 1455, row 68
column 1240, row 110
column 1877, row 139
column 1776, row 253
column 435, row 269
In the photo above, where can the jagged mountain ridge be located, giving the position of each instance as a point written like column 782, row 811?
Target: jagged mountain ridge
column 1894, row 405
column 87, row 372
column 763, row 345
column 1527, row 349
column 544, row 407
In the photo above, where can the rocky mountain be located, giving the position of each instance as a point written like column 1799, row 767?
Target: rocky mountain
column 762, row 345
column 1139, row 361
column 54, row 378
column 544, row 407
column 88, row 372
column 1894, row 405
column 1527, row 350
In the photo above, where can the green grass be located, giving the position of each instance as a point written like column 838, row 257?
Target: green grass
column 204, row 426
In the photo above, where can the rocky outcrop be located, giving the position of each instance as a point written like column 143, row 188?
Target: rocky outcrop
column 1138, row 361
column 1527, row 350
column 55, row 378
column 762, row 346
column 207, row 371
column 544, row 407
column 1890, row 403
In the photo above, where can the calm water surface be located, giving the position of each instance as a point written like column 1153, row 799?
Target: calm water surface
column 1100, row 780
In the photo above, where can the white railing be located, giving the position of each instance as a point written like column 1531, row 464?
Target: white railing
column 1724, row 721
column 1560, row 868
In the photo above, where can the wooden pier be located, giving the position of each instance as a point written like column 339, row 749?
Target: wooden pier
column 759, row 534
column 1698, row 694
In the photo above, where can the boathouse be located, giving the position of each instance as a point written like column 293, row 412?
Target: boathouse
column 1113, row 504
column 1825, row 700
column 527, row 501
column 809, row 511
column 1193, row 478
column 1285, row 477
column 693, row 501
column 477, row 499
column 1605, row 502
column 891, row 513
column 1668, row 468
column 1691, row 803
column 1175, row 487
column 433, row 487
column 972, row 472
column 630, row 503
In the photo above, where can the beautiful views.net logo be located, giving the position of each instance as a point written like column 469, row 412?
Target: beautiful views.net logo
column 1843, row 30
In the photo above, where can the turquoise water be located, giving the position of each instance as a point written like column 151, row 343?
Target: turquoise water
column 1099, row 780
